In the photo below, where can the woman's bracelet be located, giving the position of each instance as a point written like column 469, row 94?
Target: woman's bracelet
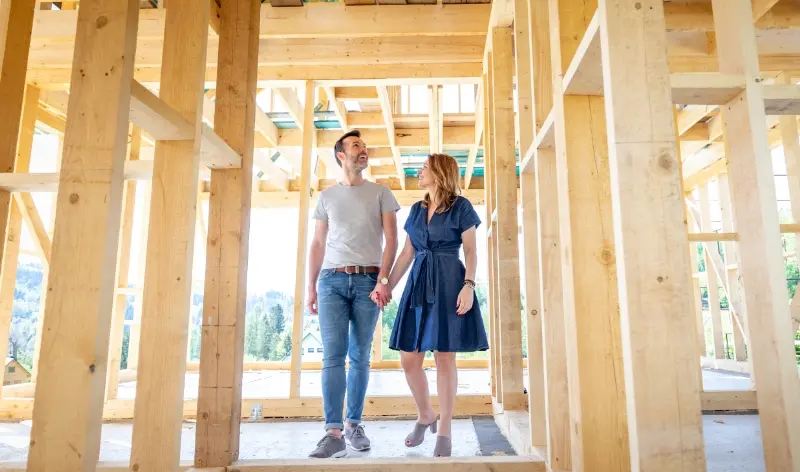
column 470, row 283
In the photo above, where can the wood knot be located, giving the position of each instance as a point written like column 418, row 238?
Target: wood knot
column 606, row 256
column 135, row 467
column 660, row 279
column 534, row 312
column 91, row 368
column 102, row 21
column 205, row 415
column 73, row 198
column 665, row 161
column 638, row 6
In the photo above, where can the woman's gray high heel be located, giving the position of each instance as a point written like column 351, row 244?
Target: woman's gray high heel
column 416, row 437
column 444, row 447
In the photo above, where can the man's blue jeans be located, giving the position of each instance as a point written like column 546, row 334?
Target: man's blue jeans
column 347, row 318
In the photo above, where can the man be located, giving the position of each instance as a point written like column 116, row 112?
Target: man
column 347, row 260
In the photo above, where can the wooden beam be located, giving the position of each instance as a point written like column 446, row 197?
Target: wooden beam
column 790, row 138
column 302, row 234
column 13, row 233
column 221, row 352
column 167, row 293
column 651, row 269
column 119, row 306
column 445, row 464
column 77, row 313
column 435, row 119
column 479, row 123
column 759, row 257
column 781, row 99
column 711, row 276
column 155, row 117
column 386, row 109
column 16, row 20
column 506, row 238
column 288, row 97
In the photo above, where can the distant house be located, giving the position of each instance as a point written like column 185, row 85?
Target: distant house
column 16, row 373
column 312, row 348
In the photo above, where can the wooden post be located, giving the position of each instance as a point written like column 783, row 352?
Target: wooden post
column 760, row 257
column 734, row 292
column 309, row 134
column 712, row 283
column 553, row 323
column 494, row 345
column 662, row 388
column 73, row 362
column 136, row 323
column 10, row 256
column 507, row 235
column 16, row 21
column 791, row 153
column 158, row 411
column 222, row 344
column 121, row 278
column 599, row 436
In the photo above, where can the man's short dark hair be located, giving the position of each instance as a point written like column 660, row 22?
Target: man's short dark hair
column 339, row 146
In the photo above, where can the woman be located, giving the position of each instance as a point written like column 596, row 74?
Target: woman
column 438, row 311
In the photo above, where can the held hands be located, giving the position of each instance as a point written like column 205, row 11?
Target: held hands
column 381, row 295
column 465, row 299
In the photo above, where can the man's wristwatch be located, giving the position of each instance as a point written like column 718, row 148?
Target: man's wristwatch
column 385, row 281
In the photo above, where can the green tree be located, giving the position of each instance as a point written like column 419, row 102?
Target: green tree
column 283, row 346
column 126, row 341
column 277, row 319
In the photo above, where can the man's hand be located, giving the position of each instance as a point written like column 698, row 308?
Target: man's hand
column 311, row 300
column 381, row 295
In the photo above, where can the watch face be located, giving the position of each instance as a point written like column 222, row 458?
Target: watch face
column 385, row 281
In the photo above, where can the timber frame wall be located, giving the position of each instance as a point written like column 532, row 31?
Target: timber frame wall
column 613, row 197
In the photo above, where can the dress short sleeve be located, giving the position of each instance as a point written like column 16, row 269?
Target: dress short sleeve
column 388, row 202
column 411, row 215
column 320, row 213
column 467, row 216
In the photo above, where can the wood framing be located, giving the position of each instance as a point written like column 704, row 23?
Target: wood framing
column 505, row 236
column 759, row 256
column 222, row 342
column 73, row 363
column 650, row 241
column 302, row 235
column 167, row 292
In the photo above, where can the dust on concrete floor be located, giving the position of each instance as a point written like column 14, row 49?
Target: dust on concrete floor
column 275, row 383
column 733, row 442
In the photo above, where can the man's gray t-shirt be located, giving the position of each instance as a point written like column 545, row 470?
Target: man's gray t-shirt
column 355, row 223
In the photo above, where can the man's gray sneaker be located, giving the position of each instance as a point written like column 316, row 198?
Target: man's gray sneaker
column 329, row 446
column 358, row 440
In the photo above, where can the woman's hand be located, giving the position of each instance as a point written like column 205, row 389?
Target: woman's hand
column 465, row 299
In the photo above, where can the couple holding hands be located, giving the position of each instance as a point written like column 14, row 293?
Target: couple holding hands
column 351, row 277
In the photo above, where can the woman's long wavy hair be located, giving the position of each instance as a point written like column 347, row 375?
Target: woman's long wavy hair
column 446, row 176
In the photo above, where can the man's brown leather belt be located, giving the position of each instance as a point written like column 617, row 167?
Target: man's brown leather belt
column 359, row 269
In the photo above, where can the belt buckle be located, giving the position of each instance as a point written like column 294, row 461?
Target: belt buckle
column 347, row 270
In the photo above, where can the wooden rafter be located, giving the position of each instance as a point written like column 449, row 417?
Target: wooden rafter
column 386, row 109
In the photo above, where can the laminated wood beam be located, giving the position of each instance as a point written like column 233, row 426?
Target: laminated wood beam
column 77, row 313
column 221, row 351
column 155, row 117
column 662, row 382
column 760, row 258
column 386, row 110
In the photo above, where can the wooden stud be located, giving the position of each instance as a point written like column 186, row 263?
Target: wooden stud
column 592, row 327
column 506, row 237
column 121, row 277
column 73, row 363
column 760, row 260
column 302, row 236
column 662, row 386
column 136, row 322
column 222, row 342
column 734, row 289
column 712, row 286
column 11, row 246
column 791, row 152
column 16, row 22
column 167, row 289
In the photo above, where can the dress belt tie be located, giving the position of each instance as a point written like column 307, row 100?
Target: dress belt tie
column 423, row 283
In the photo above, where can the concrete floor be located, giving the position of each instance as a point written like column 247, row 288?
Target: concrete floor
column 733, row 442
column 275, row 383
